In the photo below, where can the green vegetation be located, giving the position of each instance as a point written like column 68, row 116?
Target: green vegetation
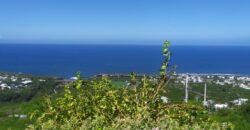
column 215, row 92
column 96, row 104
column 228, row 91
column 240, row 116
column 26, row 93
column 12, row 123
column 22, row 100
column 8, row 109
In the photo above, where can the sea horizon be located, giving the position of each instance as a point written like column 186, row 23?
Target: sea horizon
column 64, row 60
column 219, row 43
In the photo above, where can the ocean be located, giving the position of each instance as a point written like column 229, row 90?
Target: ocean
column 65, row 60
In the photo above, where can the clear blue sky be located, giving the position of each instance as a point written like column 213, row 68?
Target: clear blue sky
column 222, row 21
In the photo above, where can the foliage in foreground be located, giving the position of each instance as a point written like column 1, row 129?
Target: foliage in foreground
column 98, row 105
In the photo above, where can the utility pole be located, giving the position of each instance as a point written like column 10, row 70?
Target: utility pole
column 186, row 89
column 205, row 95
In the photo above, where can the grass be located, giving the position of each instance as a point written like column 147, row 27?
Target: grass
column 10, row 108
column 12, row 123
column 118, row 84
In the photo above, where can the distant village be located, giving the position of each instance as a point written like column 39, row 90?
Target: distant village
column 8, row 81
column 219, row 79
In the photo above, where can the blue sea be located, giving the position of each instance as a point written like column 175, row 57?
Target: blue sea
column 65, row 60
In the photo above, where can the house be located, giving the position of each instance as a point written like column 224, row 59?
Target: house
column 4, row 86
column 244, row 86
column 164, row 99
column 239, row 102
column 228, row 81
column 200, row 80
column 42, row 80
column 13, row 78
column 220, row 83
column 27, row 82
column 220, row 106
column 73, row 78
column 231, row 77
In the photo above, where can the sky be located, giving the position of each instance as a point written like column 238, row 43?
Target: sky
column 222, row 22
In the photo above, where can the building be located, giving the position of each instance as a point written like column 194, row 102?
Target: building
column 220, row 106
column 240, row 101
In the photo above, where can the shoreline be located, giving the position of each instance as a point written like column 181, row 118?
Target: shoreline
column 122, row 74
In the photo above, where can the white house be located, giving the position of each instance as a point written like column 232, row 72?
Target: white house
column 164, row 99
column 220, row 83
column 42, row 80
column 244, row 86
column 239, row 101
column 13, row 78
column 4, row 86
column 220, row 106
column 231, row 77
column 27, row 82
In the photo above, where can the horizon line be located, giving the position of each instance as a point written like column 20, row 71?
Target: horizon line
column 122, row 44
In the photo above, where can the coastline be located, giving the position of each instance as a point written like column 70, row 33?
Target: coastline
column 121, row 74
